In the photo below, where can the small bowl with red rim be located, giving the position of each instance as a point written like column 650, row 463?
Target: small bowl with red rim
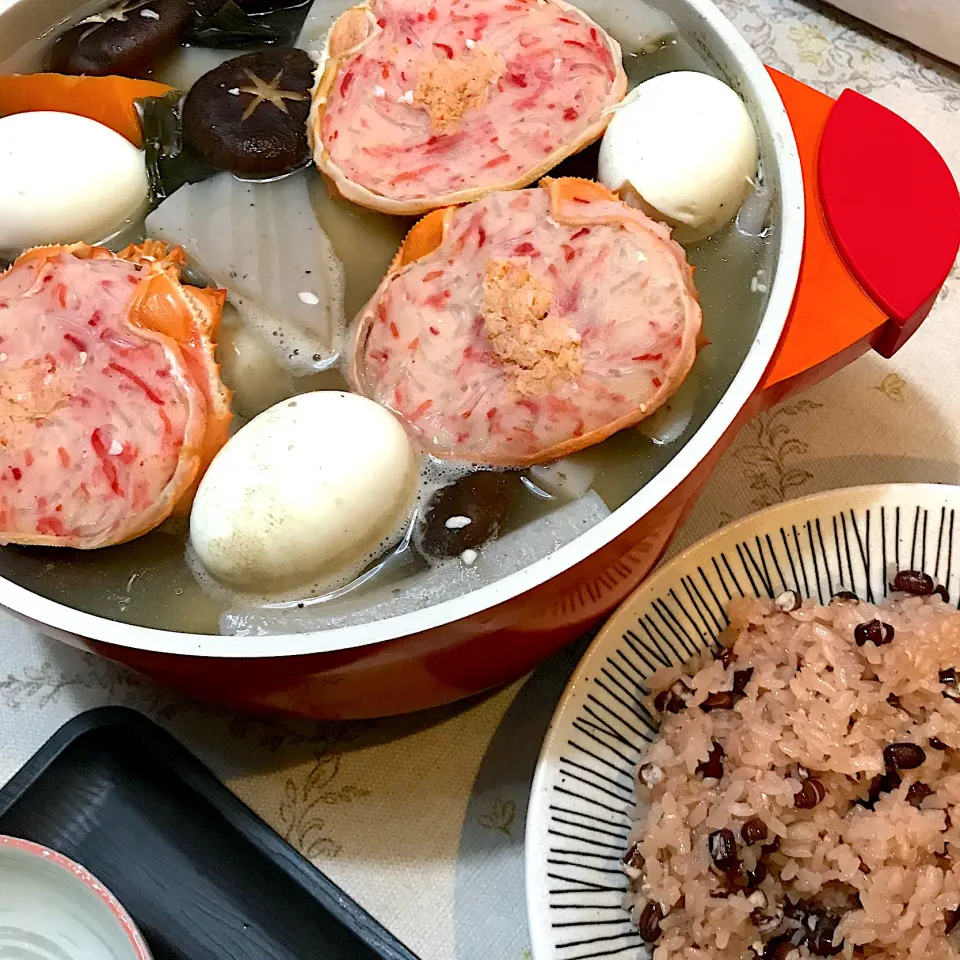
column 51, row 906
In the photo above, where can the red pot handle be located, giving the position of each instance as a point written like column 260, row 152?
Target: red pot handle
column 882, row 233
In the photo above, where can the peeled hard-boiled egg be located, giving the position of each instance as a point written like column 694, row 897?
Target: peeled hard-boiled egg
column 305, row 495
column 65, row 178
column 683, row 148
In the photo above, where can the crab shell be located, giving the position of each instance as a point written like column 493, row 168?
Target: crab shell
column 185, row 320
column 350, row 33
column 427, row 235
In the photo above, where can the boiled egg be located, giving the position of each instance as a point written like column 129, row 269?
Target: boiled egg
column 682, row 147
column 305, row 495
column 65, row 178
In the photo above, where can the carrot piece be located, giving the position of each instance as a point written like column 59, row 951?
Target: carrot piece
column 108, row 100
column 577, row 190
column 424, row 237
column 191, row 318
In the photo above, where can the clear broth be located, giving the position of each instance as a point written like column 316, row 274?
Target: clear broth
column 149, row 583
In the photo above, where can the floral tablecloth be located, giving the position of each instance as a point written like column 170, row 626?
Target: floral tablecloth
column 421, row 819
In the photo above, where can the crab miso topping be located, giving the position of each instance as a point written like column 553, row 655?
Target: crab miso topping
column 110, row 402
column 430, row 101
column 528, row 325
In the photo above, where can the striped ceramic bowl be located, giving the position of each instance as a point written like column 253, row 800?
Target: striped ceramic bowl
column 582, row 795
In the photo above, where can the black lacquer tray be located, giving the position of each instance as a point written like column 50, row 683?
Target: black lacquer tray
column 202, row 875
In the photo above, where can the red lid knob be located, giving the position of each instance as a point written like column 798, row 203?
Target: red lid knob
column 893, row 210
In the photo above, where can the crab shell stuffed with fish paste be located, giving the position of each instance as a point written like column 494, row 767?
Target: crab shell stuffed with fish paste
column 528, row 325
column 422, row 105
column 111, row 403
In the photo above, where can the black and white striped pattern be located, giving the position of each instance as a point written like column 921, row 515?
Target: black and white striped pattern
column 580, row 809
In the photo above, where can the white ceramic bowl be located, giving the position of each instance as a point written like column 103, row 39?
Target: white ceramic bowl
column 582, row 793
column 53, row 907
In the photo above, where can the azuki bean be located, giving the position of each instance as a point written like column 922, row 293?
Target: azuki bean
column 845, row 596
column 668, row 701
column 650, row 922
column 810, row 794
column 726, row 656
column 722, row 845
column 713, row 765
column 721, row 700
column 772, row 847
column 913, row 582
column 754, row 831
column 876, row 632
column 917, row 793
column 756, row 876
column 633, row 859
column 778, row 949
column 787, row 602
column 903, row 756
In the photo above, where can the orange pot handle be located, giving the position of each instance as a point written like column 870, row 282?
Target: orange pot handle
column 882, row 233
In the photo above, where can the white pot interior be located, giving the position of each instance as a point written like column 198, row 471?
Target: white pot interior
column 31, row 583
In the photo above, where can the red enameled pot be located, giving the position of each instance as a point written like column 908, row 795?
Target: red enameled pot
column 840, row 289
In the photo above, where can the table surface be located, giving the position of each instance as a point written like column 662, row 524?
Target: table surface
column 421, row 819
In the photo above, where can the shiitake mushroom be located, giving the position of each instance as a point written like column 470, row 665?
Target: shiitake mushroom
column 249, row 115
column 466, row 514
column 125, row 39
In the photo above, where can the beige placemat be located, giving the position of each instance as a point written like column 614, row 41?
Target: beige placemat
column 421, row 819
column 933, row 25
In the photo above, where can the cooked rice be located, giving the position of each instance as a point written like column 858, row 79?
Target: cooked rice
column 817, row 706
